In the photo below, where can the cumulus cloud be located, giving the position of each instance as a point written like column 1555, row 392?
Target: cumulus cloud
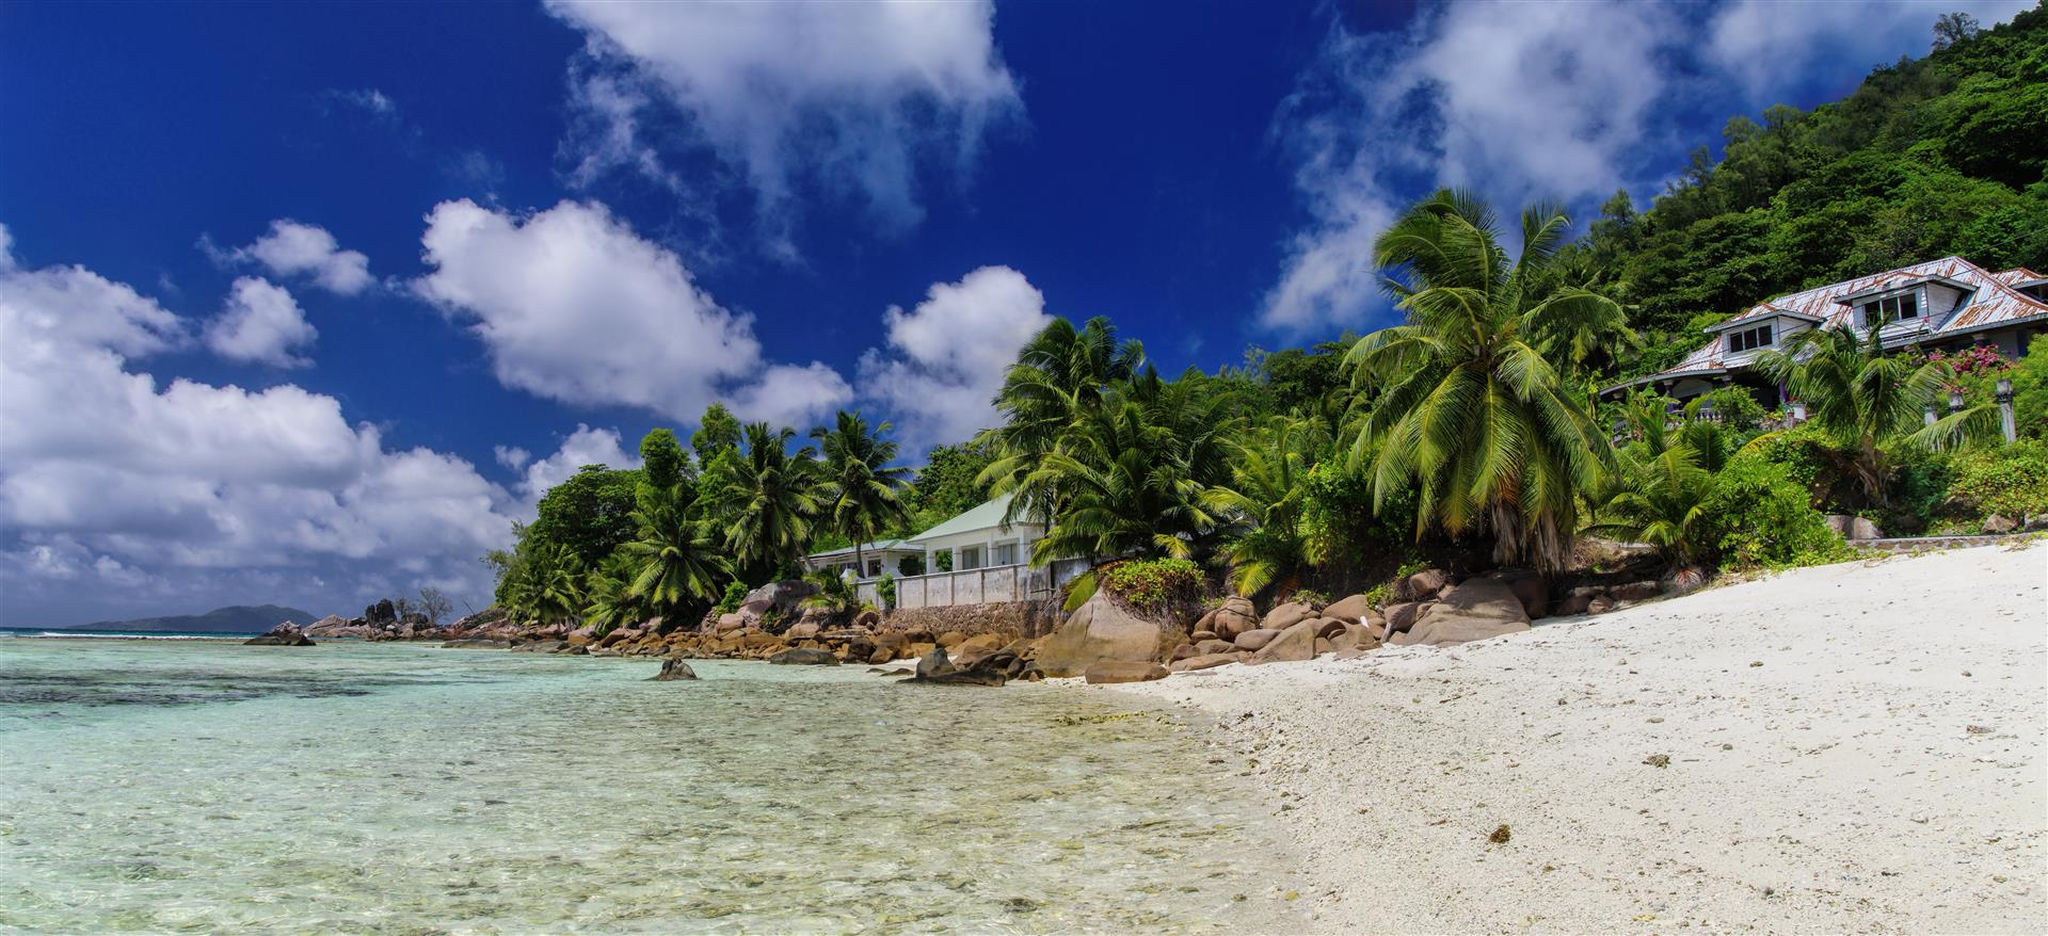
column 574, row 306
column 123, row 494
column 946, row 357
column 1527, row 102
column 585, row 446
column 1764, row 45
column 260, row 323
column 292, row 249
column 853, row 95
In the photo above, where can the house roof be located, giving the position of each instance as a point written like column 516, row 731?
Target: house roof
column 1991, row 301
column 2019, row 276
column 987, row 516
column 876, row 546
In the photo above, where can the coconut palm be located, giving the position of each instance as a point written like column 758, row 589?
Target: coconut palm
column 861, row 488
column 608, row 602
column 674, row 560
column 770, row 500
column 1477, row 410
column 1125, row 485
column 1062, row 373
column 1260, row 509
column 1662, row 504
column 1867, row 402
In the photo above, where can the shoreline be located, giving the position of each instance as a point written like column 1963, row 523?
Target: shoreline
column 1848, row 747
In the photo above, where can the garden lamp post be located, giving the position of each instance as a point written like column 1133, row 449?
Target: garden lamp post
column 1955, row 400
column 2005, row 420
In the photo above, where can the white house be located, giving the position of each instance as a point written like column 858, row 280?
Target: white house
column 883, row 557
column 1942, row 304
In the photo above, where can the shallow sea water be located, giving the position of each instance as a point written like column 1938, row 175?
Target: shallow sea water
column 202, row 786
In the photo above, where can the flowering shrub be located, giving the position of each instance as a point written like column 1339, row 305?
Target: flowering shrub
column 1153, row 584
column 1972, row 362
column 2010, row 480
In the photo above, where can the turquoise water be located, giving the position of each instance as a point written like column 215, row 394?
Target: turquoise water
column 200, row 786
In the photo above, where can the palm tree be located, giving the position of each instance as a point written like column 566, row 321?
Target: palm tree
column 674, row 560
column 861, row 488
column 1261, row 506
column 548, row 584
column 608, row 602
column 1868, row 402
column 1125, row 485
column 770, row 500
column 1662, row 504
column 1475, row 410
column 1062, row 373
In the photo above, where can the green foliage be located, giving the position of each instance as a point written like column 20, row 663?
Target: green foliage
column 1380, row 594
column 1153, row 585
column 1479, row 414
column 735, row 595
column 590, row 514
column 836, row 594
column 663, row 468
column 860, row 489
column 718, row 433
column 1737, row 407
column 885, row 589
column 768, row 500
column 2011, row 480
column 1310, row 597
column 1927, row 158
column 1757, row 515
column 949, row 484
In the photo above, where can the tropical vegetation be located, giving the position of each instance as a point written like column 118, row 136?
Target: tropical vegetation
column 1469, row 427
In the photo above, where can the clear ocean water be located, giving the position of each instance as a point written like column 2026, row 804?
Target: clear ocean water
column 199, row 785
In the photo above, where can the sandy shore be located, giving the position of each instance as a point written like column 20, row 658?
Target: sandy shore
column 1850, row 748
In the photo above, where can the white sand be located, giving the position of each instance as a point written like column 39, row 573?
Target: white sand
column 1880, row 771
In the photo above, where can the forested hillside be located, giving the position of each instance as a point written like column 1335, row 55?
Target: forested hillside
column 1928, row 157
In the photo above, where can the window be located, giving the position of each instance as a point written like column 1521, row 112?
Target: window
column 1750, row 338
column 1006, row 554
column 970, row 558
column 874, row 567
column 1898, row 308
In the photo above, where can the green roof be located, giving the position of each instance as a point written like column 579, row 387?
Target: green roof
column 876, row 546
column 983, row 517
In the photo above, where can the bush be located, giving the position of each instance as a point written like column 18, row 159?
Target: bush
column 885, row 588
column 1310, row 597
column 735, row 593
column 2011, row 480
column 1153, row 585
column 1738, row 408
column 1759, row 515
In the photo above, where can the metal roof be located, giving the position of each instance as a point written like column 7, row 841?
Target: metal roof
column 1991, row 302
column 987, row 516
column 876, row 546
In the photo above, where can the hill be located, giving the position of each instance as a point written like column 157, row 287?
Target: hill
column 238, row 619
column 1928, row 157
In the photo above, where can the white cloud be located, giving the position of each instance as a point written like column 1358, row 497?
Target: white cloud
column 122, row 493
column 291, row 248
column 511, row 456
column 854, row 95
column 371, row 100
column 260, row 322
column 585, row 446
column 1522, row 101
column 1765, row 45
column 946, row 357
column 1527, row 102
column 574, row 306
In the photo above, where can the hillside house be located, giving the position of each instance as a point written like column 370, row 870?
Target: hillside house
column 1946, row 304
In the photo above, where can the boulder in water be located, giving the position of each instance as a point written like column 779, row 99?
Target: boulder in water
column 286, row 634
column 805, row 656
column 672, row 669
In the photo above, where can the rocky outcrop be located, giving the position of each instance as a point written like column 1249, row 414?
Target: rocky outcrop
column 805, row 656
column 1356, row 608
column 1476, row 609
column 286, row 634
column 1254, row 640
column 674, row 669
column 1202, row 662
column 1295, row 644
column 1123, row 671
column 1422, row 586
column 1101, row 629
column 1284, row 616
column 993, row 670
column 1853, row 527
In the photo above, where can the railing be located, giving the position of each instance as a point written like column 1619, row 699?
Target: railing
column 1017, row 582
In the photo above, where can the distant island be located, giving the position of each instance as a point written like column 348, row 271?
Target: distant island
column 237, row 619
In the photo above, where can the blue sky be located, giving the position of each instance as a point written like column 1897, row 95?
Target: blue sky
column 306, row 303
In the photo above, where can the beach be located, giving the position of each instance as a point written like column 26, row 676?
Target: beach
column 1855, row 747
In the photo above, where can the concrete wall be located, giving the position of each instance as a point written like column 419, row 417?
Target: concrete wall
column 1023, row 618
